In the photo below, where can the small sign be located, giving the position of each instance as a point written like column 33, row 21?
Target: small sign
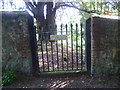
column 58, row 37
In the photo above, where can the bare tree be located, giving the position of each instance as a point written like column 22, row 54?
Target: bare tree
column 46, row 21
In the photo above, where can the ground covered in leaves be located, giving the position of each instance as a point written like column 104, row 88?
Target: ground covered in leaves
column 66, row 81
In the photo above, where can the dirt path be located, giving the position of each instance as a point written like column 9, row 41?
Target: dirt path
column 69, row 81
column 60, row 58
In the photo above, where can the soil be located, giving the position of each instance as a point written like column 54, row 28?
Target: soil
column 60, row 57
column 63, row 80
column 66, row 81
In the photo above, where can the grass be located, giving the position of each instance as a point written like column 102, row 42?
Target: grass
column 64, row 72
column 59, row 74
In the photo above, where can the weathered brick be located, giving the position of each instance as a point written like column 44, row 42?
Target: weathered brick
column 105, row 48
column 16, row 50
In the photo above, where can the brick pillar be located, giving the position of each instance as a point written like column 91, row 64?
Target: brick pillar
column 105, row 45
column 18, row 43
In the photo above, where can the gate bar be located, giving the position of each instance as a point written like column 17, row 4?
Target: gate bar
column 42, row 55
column 72, row 44
column 47, row 55
column 81, row 48
column 52, row 55
column 77, row 45
column 67, row 44
column 57, row 55
column 62, row 49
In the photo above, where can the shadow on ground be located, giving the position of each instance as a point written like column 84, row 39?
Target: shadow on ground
column 65, row 81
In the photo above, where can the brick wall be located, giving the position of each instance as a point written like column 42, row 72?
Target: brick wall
column 105, row 45
column 16, row 46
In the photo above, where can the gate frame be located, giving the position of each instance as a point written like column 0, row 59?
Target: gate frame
column 87, row 47
column 33, row 45
column 88, row 44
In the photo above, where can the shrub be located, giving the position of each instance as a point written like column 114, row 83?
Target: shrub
column 8, row 77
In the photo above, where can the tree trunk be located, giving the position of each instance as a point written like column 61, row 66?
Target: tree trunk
column 50, row 18
column 40, row 19
column 45, row 26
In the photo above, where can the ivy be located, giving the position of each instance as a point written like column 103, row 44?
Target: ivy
column 8, row 77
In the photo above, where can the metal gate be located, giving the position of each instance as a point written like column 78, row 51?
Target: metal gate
column 64, row 51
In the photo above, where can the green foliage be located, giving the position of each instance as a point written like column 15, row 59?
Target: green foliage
column 98, row 7
column 8, row 77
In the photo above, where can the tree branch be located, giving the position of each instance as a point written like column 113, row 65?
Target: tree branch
column 34, row 2
column 72, row 6
column 29, row 5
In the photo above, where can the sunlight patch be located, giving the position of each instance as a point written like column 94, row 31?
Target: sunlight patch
column 106, row 16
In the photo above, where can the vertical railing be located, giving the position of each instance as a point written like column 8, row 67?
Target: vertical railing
column 77, row 46
column 62, row 49
column 81, row 47
column 74, row 57
column 47, row 54
column 57, row 55
column 52, row 55
column 42, row 54
column 72, row 44
column 67, row 44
